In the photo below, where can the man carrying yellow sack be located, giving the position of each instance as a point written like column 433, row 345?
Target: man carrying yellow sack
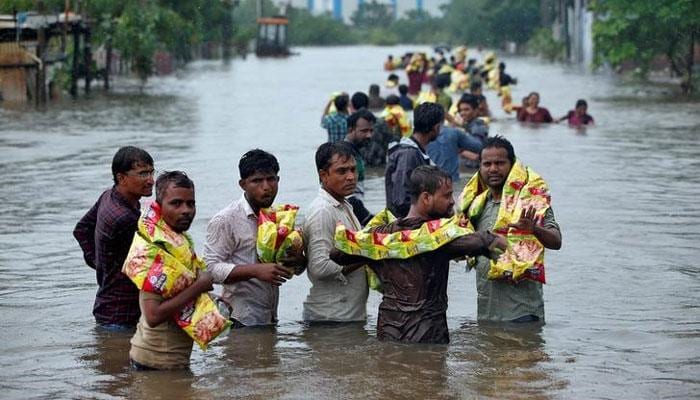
column 173, row 282
column 414, row 302
column 510, row 199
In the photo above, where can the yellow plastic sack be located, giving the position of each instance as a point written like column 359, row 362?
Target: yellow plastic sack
column 402, row 244
column 397, row 120
column 524, row 188
column 163, row 262
column 277, row 238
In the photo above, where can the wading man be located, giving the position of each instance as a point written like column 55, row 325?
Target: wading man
column 251, row 288
column 105, row 235
column 414, row 302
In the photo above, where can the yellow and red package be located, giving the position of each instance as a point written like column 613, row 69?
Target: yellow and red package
column 524, row 188
column 163, row 262
column 277, row 239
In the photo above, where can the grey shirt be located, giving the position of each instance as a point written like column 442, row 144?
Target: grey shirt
column 333, row 296
column 499, row 300
column 231, row 237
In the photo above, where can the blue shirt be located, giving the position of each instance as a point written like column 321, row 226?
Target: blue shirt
column 444, row 151
column 337, row 126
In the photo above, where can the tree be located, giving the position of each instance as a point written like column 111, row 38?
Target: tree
column 372, row 15
column 640, row 30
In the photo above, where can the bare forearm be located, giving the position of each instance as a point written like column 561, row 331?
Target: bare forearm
column 550, row 238
column 158, row 312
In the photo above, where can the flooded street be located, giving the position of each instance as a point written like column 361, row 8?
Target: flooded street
column 623, row 294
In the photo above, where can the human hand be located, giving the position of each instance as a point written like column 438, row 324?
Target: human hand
column 205, row 281
column 526, row 222
column 272, row 273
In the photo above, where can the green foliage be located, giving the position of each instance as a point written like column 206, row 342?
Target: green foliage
column 491, row 22
column 372, row 15
column 135, row 35
column 639, row 30
column 542, row 43
column 382, row 37
column 307, row 29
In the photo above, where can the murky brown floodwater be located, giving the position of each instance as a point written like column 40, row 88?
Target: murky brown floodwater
column 623, row 298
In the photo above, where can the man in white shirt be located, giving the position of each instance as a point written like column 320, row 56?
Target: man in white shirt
column 251, row 288
column 337, row 294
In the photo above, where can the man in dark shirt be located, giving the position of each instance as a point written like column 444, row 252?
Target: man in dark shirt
column 360, row 131
column 105, row 234
column 410, row 152
column 414, row 303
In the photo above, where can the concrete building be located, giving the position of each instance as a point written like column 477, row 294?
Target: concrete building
column 344, row 9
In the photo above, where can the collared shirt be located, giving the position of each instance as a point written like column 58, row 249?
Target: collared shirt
column 105, row 234
column 337, row 126
column 333, row 296
column 231, row 237
column 502, row 301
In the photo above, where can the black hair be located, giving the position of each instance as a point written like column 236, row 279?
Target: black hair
column 393, row 77
column 426, row 116
column 255, row 161
column 426, row 179
column 364, row 114
column 502, row 66
column 470, row 99
column 392, row 100
column 581, row 102
column 474, row 86
column 403, row 89
column 341, row 102
column 326, row 151
column 501, row 143
column 359, row 100
column 126, row 157
column 167, row 179
column 374, row 89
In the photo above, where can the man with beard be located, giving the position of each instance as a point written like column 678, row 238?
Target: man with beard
column 503, row 300
column 251, row 288
column 414, row 302
column 360, row 131
column 338, row 294
column 105, row 234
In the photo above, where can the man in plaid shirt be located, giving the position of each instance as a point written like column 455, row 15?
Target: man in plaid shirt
column 335, row 122
column 105, row 234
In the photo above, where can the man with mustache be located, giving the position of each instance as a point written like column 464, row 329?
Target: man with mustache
column 414, row 301
column 105, row 234
column 360, row 130
column 501, row 300
column 337, row 294
column 251, row 288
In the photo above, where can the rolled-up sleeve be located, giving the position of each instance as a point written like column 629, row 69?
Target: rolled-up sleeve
column 218, row 249
column 319, row 229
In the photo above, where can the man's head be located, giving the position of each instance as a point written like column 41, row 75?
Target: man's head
column 581, row 107
column 427, row 120
column 374, row 90
column 468, row 107
column 403, row 89
column 392, row 80
column 359, row 101
column 430, row 189
column 495, row 161
column 259, row 179
column 502, row 66
column 336, row 169
column 361, row 127
column 132, row 171
column 341, row 103
column 475, row 88
column 392, row 100
column 175, row 195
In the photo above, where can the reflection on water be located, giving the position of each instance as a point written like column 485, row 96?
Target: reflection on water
column 621, row 301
